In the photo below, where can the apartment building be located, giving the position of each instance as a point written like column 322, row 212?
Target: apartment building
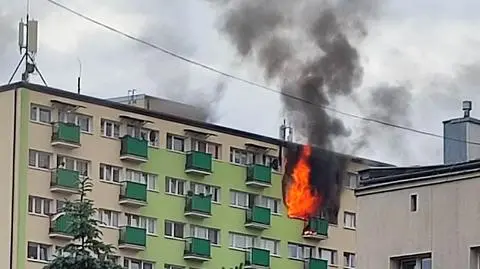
column 171, row 192
column 424, row 217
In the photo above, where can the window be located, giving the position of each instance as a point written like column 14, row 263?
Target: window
column 40, row 114
column 413, row 202
column 110, row 128
column 129, row 263
column 272, row 203
column 207, row 147
column 174, row 186
column 170, row 266
column 349, row 220
column 415, row 263
column 108, row 217
column 109, row 173
column 150, row 224
column 83, row 121
column 142, row 177
column 206, row 233
column 240, row 199
column 175, row 143
column 198, row 188
column 73, row 164
column 39, row 159
column 39, row 252
column 270, row 160
column 330, row 215
column 350, row 181
column 329, row 255
column 38, row 205
column 297, row 251
column 270, row 244
column 349, row 260
column 174, row 229
column 240, row 156
column 241, row 241
column 146, row 134
column 59, row 205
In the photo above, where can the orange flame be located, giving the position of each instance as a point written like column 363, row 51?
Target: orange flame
column 301, row 200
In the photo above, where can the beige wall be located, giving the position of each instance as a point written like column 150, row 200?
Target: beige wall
column 446, row 223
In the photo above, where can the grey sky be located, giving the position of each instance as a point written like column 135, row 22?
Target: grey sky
column 431, row 46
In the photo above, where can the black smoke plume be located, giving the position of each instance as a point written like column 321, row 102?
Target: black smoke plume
column 305, row 46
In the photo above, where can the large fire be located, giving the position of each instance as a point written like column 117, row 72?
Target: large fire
column 301, row 199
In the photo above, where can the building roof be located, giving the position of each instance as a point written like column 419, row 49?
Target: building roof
column 373, row 178
column 164, row 116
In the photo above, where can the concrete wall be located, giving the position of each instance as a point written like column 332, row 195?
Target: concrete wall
column 445, row 224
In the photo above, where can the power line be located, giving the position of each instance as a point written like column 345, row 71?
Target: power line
column 215, row 70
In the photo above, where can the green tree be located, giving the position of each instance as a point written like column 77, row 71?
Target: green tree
column 86, row 250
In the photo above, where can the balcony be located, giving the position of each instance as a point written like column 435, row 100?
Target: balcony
column 64, row 181
column 258, row 218
column 66, row 135
column 133, row 194
column 199, row 163
column 60, row 227
column 198, row 205
column 313, row 263
column 316, row 228
column 257, row 258
column 197, row 249
column 132, row 238
column 259, row 176
column 134, row 149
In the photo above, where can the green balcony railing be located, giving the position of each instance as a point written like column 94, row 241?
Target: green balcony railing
column 313, row 263
column 66, row 132
column 134, row 191
column 258, row 257
column 61, row 224
column 261, row 174
column 133, row 236
column 197, row 247
column 198, row 161
column 258, row 215
column 198, row 203
column 132, row 146
column 64, row 178
column 316, row 226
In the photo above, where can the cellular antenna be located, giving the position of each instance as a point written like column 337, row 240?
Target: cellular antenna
column 79, row 75
column 28, row 45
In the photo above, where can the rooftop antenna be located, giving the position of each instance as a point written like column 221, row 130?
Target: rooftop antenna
column 28, row 44
column 79, row 75
column 131, row 94
column 286, row 132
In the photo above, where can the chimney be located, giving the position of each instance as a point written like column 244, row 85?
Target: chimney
column 461, row 142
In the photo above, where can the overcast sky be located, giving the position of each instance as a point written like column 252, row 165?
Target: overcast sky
column 429, row 46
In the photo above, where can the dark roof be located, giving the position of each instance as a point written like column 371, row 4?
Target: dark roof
column 376, row 177
column 163, row 116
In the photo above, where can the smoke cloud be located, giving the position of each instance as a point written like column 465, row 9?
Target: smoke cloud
column 305, row 47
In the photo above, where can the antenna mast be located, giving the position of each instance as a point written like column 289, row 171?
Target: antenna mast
column 28, row 44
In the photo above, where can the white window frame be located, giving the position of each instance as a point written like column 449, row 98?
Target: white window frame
column 302, row 252
column 264, row 244
column 63, row 116
column 173, row 228
column 108, row 171
column 211, row 148
column 65, row 159
column 37, row 158
column 150, row 180
column 112, row 125
column 38, row 109
column 234, row 199
column 198, row 188
column 333, row 255
column 172, row 266
column 141, row 262
column 234, row 239
column 173, row 137
column 349, row 220
column 175, row 181
column 112, row 216
column 45, row 205
column 147, row 223
column 205, row 233
column 39, row 246
column 351, row 180
column 274, row 204
column 349, row 260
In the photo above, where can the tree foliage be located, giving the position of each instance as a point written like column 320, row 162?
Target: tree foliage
column 86, row 250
